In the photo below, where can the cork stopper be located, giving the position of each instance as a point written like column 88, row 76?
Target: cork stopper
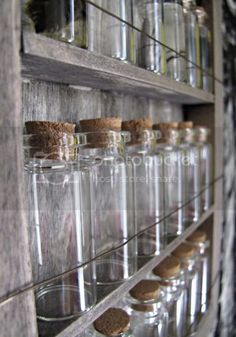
column 202, row 15
column 51, row 140
column 146, row 290
column 140, row 130
column 41, row 127
column 113, row 322
column 184, row 251
column 169, row 131
column 170, row 267
column 197, row 237
column 202, row 133
column 185, row 125
column 101, row 124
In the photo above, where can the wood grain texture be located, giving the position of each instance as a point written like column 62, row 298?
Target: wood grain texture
column 14, row 257
column 51, row 60
column 17, row 316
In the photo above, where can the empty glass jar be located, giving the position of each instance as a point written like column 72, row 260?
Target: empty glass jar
column 169, row 145
column 145, row 306
column 113, row 207
column 206, row 170
column 57, row 185
column 148, row 17
column 205, row 50
column 189, row 260
column 192, row 173
column 170, row 277
column 62, row 20
column 175, row 39
column 199, row 240
column 114, row 322
column 192, row 43
column 108, row 35
column 149, row 187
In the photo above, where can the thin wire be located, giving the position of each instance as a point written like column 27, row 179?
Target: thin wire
column 35, row 286
column 153, row 39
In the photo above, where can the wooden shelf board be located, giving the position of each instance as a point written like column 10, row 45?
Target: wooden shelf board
column 50, row 60
column 110, row 299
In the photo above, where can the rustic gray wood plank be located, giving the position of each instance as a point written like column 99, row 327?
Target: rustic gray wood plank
column 17, row 316
column 51, row 60
column 78, row 326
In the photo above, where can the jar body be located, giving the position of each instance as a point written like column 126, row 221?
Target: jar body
column 61, row 235
column 149, row 197
column 175, row 302
column 175, row 39
column 192, row 48
column 148, row 17
column 191, row 268
column 192, row 182
column 173, row 187
column 113, row 213
column 61, row 20
column 108, row 35
column 148, row 318
column 205, row 44
column 206, row 175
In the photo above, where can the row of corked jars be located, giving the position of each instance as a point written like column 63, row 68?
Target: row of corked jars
column 169, row 302
column 115, row 191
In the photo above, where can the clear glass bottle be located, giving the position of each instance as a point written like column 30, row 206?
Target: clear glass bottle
column 199, row 240
column 175, row 39
column 144, row 304
column 58, row 202
column 169, row 146
column 192, row 173
column 206, row 155
column 149, row 17
column 205, row 50
column 113, row 199
column 189, row 260
column 149, row 187
column 108, row 35
column 192, row 43
column 170, row 277
column 114, row 322
column 63, row 20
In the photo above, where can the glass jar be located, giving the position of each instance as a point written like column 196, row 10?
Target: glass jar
column 192, row 173
column 205, row 50
column 113, row 200
column 144, row 304
column 169, row 146
column 202, row 245
column 148, row 17
column 57, row 184
column 61, row 20
column 108, row 35
column 192, row 43
column 175, row 39
column 206, row 171
column 149, row 187
column 114, row 322
column 171, row 278
column 190, row 266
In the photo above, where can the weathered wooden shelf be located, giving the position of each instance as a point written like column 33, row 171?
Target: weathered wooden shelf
column 112, row 296
column 50, row 60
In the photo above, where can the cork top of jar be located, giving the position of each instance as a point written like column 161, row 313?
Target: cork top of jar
column 39, row 127
column 170, row 267
column 184, row 251
column 201, row 14
column 137, row 125
column 113, row 322
column 145, row 290
column 185, row 125
column 163, row 127
column 197, row 237
column 101, row 124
